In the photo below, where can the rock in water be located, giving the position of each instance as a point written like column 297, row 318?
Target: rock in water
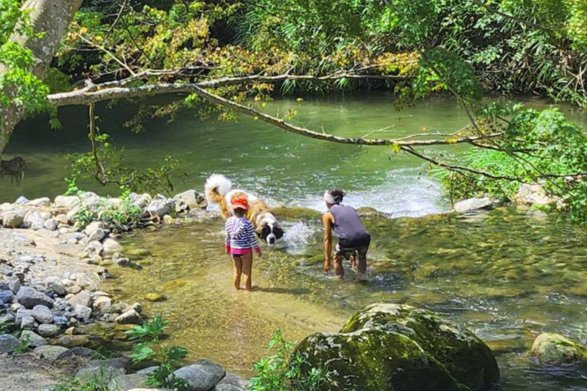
column 554, row 349
column 398, row 347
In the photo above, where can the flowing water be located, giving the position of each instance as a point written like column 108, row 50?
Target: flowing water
column 507, row 275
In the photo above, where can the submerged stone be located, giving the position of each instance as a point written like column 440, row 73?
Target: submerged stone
column 398, row 347
column 154, row 297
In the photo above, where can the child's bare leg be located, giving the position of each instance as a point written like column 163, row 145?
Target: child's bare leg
column 353, row 260
column 237, row 263
column 248, row 270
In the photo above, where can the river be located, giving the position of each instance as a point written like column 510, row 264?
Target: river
column 507, row 275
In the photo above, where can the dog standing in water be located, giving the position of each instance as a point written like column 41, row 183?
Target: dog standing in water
column 219, row 190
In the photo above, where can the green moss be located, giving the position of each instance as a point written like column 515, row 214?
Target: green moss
column 459, row 351
column 375, row 360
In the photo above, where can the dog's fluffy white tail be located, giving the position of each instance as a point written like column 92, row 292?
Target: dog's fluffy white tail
column 217, row 185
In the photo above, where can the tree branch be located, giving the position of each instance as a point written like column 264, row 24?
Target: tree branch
column 86, row 97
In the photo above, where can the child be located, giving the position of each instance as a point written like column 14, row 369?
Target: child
column 240, row 241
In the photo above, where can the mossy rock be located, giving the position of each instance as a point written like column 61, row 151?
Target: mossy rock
column 398, row 347
column 554, row 349
column 155, row 297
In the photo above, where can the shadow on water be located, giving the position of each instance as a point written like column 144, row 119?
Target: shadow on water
column 506, row 275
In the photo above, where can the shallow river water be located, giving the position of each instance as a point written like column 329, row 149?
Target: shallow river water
column 507, row 275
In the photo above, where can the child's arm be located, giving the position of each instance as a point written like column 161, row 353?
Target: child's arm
column 227, row 238
column 252, row 238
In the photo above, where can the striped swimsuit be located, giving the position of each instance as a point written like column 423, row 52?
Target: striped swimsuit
column 240, row 237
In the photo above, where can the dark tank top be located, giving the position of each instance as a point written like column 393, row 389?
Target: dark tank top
column 347, row 224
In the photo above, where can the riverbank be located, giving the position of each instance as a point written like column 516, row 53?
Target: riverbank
column 55, row 322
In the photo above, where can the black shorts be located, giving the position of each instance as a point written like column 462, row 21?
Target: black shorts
column 346, row 247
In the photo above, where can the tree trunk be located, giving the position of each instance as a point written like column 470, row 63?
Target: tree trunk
column 52, row 18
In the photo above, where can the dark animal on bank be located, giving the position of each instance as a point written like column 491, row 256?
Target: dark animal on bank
column 15, row 168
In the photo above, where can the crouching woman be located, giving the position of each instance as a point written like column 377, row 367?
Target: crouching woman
column 353, row 239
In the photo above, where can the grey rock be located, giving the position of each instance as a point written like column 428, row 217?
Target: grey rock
column 42, row 314
column 160, row 206
column 49, row 352
column 34, row 220
column 95, row 231
column 21, row 313
column 82, row 298
column 192, row 199
column 8, row 343
column 228, row 387
column 555, row 349
column 75, row 352
column 94, row 247
column 13, row 218
column 30, row 297
column 67, row 202
column 232, row 382
column 60, row 320
column 74, row 289
column 39, row 202
column 6, row 296
column 202, row 375
column 129, row 317
column 51, row 225
column 7, row 319
column 104, row 369
column 532, row 194
column 128, row 382
column 49, row 330
column 111, row 246
column 140, row 200
column 4, row 285
column 474, row 204
column 14, row 284
column 22, row 200
column 34, row 339
column 102, row 303
column 83, row 312
column 27, row 322
column 54, row 284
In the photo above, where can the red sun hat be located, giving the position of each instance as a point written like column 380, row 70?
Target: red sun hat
column 240, row 203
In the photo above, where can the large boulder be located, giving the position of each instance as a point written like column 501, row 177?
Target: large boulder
column 554, row 349
column 398, row 347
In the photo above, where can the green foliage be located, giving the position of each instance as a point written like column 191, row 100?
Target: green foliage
column 97, row 382
column 282, row 371
column 25, row 343
column 106, row 164
column 118, row 217
column 148, row 347
column 18, row 86
column 537, row 147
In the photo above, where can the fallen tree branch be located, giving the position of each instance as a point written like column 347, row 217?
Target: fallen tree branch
column 87, row 97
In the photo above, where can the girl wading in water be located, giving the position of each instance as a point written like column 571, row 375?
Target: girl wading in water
column 240, row 242
column 353, row 240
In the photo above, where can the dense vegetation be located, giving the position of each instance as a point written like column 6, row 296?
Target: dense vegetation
column 222, row 53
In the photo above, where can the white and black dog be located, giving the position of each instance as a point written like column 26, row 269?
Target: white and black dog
column 219, row 190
